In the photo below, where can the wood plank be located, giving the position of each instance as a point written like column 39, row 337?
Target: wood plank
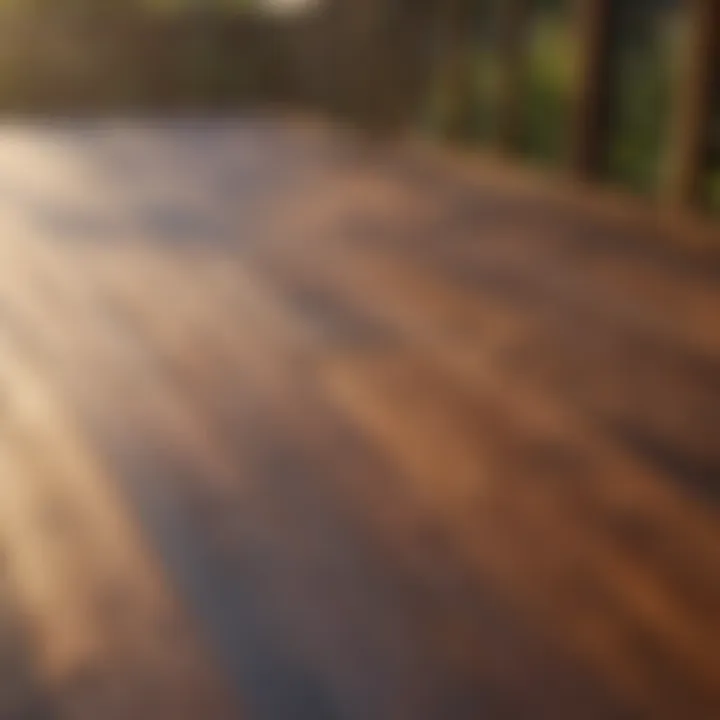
column 349, row 430
column 112, row 640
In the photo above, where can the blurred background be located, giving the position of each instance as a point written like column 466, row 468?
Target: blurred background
column 625, row 91
column 359, row 359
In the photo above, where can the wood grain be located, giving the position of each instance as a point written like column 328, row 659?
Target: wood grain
column 292, row 427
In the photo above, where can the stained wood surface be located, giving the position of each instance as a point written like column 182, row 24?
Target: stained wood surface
column 292, row 427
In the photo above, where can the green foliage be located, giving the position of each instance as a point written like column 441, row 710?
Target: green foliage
column 645, row 53
column 548, row 82
column 647, row 37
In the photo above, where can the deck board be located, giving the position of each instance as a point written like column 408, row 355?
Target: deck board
column 296, row 428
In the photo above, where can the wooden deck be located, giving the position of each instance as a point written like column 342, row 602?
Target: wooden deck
column 294, row 430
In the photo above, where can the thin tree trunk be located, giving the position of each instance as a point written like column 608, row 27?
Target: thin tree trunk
column 693, row 103
column 588, row 133
column 514, row 29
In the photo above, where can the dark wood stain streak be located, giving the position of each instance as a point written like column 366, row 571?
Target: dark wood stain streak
column 692, row 473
